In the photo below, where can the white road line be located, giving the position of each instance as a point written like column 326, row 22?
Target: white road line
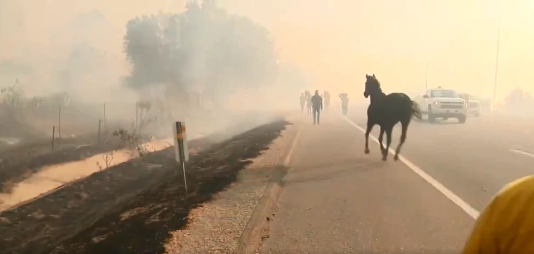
column 449, row 194
column 292, row 149
column 522, row 153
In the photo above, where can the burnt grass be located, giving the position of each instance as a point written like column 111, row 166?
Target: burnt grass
column 131, row 207
column 22, row 161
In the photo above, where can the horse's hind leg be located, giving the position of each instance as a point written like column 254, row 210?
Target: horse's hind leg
column 402, row 139
column 389, row 129
column 369, row 128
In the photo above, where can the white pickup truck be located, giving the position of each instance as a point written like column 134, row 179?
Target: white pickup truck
column 442, row 103
column 473, row 104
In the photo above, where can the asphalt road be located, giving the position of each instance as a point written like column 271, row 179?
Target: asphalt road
column 339, row 200
column 474, row 160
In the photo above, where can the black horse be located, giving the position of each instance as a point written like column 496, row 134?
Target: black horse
column 386, row 111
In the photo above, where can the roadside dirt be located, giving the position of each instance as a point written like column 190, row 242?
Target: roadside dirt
column 22, row 161
column 52, row 177
column 131, row 207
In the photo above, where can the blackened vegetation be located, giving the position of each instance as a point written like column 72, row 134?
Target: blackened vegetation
column 44, row 222
column 143, row 225
column 130, row 207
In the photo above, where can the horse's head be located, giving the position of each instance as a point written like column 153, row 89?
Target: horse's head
column 371, row 85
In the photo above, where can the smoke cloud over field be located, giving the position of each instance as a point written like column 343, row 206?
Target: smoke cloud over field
column 97, row 60
column 248, row 55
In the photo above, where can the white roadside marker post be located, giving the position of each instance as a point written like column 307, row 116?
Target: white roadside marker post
column 180, row 148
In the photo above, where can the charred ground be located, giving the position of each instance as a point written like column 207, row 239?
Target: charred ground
column 21, row 161
column 131, row 207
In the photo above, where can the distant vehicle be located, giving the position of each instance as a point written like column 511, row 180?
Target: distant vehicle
column 485, row 105
column 473, row 104
column 442, row 103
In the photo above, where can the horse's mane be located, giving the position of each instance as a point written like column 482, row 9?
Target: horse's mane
column 374, row 81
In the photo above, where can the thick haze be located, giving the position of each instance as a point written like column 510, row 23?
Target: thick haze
column 336, row 42
column 343, row 40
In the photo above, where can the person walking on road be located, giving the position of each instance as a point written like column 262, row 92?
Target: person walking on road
column 326, row 100
column 344, row 102
column 302, row 102
column 317, row 105
column 506, row 226
column 308, row 101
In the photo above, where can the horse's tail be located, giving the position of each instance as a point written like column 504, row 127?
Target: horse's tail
column 416, row 111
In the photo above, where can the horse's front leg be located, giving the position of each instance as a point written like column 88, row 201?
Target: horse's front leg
column 389, row 130
column 369, row 128
column 380, row 137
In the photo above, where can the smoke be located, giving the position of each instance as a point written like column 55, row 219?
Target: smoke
column 195, row 57
column 53, row 51
column 78, row 47
column 202, row 50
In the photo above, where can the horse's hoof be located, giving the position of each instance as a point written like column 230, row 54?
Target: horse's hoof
column 367, row 151
column 396, row 158
column 384, row 158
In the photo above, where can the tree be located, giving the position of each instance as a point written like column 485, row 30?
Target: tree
column 12, row 100
column 202, row 47
column 518, row 98
column 143, row 46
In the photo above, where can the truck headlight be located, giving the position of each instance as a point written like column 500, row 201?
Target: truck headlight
column 436, row 103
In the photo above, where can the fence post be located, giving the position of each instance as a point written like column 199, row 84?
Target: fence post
column 99, row 124
column 59, row 129
column 136, row 114
column 53, row 135
column 105, row 122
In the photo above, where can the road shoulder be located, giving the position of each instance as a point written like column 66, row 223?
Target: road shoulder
column 218, row 225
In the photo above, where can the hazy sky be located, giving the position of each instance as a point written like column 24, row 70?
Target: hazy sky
column 337, row 41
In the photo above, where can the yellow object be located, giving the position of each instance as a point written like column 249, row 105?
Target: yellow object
column 506, row 226
column 180, row 135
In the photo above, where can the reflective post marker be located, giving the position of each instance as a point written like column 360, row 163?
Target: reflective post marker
column 181, row 151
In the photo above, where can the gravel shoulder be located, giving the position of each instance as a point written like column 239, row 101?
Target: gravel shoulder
column 216, row 226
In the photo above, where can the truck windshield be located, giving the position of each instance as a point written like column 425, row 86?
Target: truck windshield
column 444, row 93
